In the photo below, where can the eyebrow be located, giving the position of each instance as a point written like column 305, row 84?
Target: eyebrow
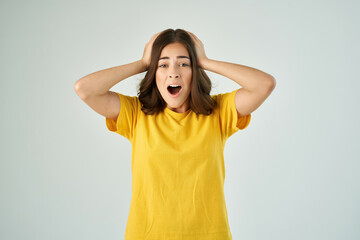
column 176, row 57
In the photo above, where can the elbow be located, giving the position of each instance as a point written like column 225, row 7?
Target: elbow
column 266, row 85
column 77, row 86
column 271, row 83
column 79, row 89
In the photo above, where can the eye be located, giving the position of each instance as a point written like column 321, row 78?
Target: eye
column 184, row 64
column 162, row 65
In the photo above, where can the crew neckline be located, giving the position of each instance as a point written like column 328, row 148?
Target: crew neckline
column 173, row 113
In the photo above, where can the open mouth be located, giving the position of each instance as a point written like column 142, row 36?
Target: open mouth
column 174, row 89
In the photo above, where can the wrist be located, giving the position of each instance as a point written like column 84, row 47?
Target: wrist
column 204, row 63
column 143, row 65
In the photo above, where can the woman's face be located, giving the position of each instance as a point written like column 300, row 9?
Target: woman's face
column 173, row 76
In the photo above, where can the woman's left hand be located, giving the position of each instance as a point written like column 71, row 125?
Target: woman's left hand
column 200, row 50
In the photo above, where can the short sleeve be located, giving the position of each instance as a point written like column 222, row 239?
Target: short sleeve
column 127, row 118
column 229, row 120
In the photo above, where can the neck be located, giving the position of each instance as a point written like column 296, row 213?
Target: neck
column 183, row 108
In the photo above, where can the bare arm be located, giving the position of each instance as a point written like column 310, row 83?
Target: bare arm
column 94, row 89
column 256, row 85
column 100, row 82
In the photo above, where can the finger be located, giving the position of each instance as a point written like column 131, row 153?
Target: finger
column 196, row 39
column 155, row 36
column 193, row 35
column 190, row 33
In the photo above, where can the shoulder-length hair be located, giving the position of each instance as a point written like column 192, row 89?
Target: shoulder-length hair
column 149, row 95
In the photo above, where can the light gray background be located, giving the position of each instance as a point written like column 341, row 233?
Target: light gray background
column 293, row 173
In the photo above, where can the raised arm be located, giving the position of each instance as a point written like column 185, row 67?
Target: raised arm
column 94, row 89
column 99, row 83
column 256, row 85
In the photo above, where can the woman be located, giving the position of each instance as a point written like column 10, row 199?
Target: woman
column 178, row 133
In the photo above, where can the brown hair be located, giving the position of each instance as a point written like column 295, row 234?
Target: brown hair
column 149, row 95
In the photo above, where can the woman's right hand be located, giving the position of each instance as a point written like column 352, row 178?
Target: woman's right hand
column 146, row 59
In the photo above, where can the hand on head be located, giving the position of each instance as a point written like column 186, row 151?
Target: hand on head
column 147, row 50
column 199, row 48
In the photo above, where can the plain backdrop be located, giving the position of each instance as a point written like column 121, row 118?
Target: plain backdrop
column 293, row 173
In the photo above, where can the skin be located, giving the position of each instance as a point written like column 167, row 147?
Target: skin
column 94, row 89
column 174, row 71
column 255, row 84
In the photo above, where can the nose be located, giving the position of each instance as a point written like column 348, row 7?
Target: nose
column 174, row 75
column 174, row 72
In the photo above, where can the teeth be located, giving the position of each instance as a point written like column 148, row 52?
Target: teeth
column 174, row 85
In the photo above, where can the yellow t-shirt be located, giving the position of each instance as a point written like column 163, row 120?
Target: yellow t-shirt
column 178, row 170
